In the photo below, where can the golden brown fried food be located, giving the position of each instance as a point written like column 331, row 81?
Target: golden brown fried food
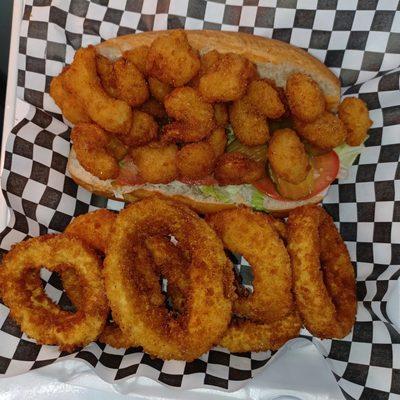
column 195, row 160
column 248, row 233
column 160, row 334
column 172, row 60
column 154, row 108
column 70, row 106
column 44, row 320
column 265, row 99
column 82, row 81
column 324, row 281
column 208, row 60
column 296, row 191
column 326, row 132
column 236, row 169
column 354, row 114
column 90, row 144
column 144, row 129
column 287, row 156
column 218, row 140
column 132, row 87
column 249, row 127
column 138, row 56
column 195, row 117
column 156, row 162
column 245, row 335
column 221, row 114
column 306, row 100
column 159, row 90
column 105, row 70
column 227, row 79
column 117, row 148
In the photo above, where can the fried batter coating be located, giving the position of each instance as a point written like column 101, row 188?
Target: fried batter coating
column 172, row 60
column 296, row 191
column 218, row 140
column 326, row 132
column 82, row 81
column 138, row 56
column 287, row 156
column 132, row 87
column 117, row 148
column 156, row 162
column 105, row 70
column 305, row 98
column 159, row 90
column 236, row 169
column 208, row 60
column 90, row 144
column 144, row 129
column 265, row 99
column 249, row 127
column 195, row 117
column 221, row 114
column 227, row 79
column 69, row 105
column 154, row 108
column 324, row 281
column 245, row 335
column 354, row 114
column 43, row 320
column 160, row 333
column 248, row 233
column 195, row 160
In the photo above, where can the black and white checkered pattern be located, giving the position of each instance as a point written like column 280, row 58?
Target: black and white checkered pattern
column 359, row 40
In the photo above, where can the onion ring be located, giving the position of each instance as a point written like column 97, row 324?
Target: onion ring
column 40, row 319
column 250, row 234
column 191, row 334
column 324, row 281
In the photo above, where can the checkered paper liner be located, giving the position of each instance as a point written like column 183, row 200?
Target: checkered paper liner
column 359, row 41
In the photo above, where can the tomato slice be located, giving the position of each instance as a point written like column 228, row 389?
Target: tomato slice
column 326, row 168
column 128, row 172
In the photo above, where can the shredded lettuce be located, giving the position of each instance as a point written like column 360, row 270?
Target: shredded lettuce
column 347, row 154
column 257, row 200
column 214, row 192
column 230, row 134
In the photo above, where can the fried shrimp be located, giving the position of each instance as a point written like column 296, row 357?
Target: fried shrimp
column 195, row 160
column 248, row 233
column 106, row 72
column 81, row 80
column 324, row 281
column 90, row 145
column 236, row 168
column 305, row 98
column 265, row 99
column 158, row 89
column 154, row 108
column 227, row 78
column 353, row 112
column 194, row 117
column 250, row 127
column 287, row 156
column 221, row 114
column 172, row 60
column 137, row 56
column 156, row 162
column 69, row 105
column 326, row 132
column 144, row 129
column 218, row 140
column 161, row 334
column 43, row 320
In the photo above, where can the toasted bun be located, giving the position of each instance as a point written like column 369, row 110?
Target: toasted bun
column 274, row 59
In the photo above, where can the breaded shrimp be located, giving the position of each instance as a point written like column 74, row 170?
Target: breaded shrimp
column 305, row 98
column 138, row 56
column 172, row 60
column 250, row 128
column 195, row 160
column 236, row 169
column 218, row 141
column 159, row 90
column 353, row 112
column 221, row 114
column 144, row 129
column 90, row 145
column 156, row 162
column 287, row 156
